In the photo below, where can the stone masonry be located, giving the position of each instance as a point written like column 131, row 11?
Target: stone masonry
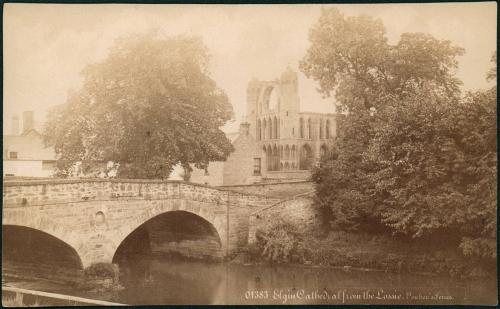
column 93, row 216
column 284, row 190
column 298, row 210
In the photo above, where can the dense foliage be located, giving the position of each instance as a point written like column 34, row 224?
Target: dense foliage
column 148, row 106
column 412, row 153
column 278, row 241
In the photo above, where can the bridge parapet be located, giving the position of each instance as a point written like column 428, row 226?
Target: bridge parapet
column 35, row 193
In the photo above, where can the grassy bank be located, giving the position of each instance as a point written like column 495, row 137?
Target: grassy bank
column 282, row 243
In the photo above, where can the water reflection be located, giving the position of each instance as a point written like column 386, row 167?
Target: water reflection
column 173, row 281
column 151, row 280
column 176, row 281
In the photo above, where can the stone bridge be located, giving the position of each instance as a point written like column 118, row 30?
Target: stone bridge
column 95, row 216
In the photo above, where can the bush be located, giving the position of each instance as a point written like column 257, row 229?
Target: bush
column 278, row 242
column 101, row 270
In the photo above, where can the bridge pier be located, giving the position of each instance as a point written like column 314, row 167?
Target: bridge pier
column 102, row 276
column 96, row 249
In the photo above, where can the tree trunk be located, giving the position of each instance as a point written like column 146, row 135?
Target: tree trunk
column 187, row 173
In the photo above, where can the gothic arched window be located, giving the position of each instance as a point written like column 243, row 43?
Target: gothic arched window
column 276, row 158
column 263, row 129
column 270, row 129
column 301, row 128
column 269, row 158
column 305, row 157
column 257, row 133
column 323, row 150
column 309, row 128
column 275, row 127
column 321, row 129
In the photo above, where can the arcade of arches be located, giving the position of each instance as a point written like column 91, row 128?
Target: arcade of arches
column 290, row 157
column 290, row 154
column 268, row 128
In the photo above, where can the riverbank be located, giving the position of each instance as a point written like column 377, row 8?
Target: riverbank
column 98, row 277
column 365, row 251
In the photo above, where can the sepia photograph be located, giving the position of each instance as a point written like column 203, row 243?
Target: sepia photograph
column 249, row 154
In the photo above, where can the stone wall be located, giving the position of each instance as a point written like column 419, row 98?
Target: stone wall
column 38, row 192
column 299, row 211
column 198, row 248
column 293, row 175
column 281, row 190
column 238, row 168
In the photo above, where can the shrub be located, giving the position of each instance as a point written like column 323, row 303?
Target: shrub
column 278, row 241
column 101, row 270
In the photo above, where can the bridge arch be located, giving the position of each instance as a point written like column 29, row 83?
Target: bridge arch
column 175, row 223
column 41, row 251
column 207, row 213
column 45, row 225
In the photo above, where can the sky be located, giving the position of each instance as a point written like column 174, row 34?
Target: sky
column 47, row 45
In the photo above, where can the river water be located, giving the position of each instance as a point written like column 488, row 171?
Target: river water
column 148, row 280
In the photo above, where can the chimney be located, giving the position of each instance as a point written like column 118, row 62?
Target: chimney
column 28, row 121
column 15, row 125
column 244, row 128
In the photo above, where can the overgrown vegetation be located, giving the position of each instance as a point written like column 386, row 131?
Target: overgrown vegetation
column 101, row 270
column 278, row 242
column 413, row 154
column 281, row 242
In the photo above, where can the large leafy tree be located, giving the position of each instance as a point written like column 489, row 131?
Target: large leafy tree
column 351, row 58
column 435, row 168
column 407, row 154
column 148, row 106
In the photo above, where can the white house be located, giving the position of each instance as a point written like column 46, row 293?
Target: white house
column 25, row 154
